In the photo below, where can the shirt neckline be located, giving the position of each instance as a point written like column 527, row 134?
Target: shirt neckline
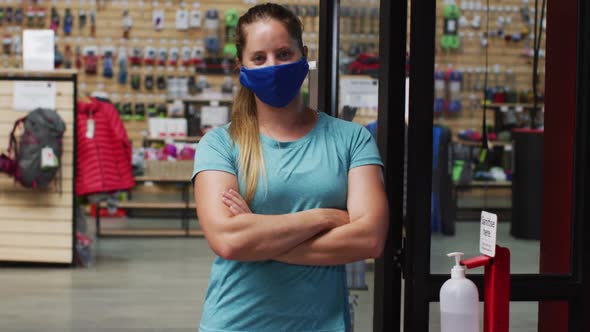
column 274, row 144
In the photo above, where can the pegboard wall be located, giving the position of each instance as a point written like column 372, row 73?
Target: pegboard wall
column 461, row 45
column 176, row 43
column 142, row 54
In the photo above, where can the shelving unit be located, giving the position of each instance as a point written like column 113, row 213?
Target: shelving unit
column 185, row 205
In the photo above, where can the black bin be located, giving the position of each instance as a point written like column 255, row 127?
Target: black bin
column 527, row 183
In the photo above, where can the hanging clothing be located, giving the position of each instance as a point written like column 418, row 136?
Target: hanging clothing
column 104, row 150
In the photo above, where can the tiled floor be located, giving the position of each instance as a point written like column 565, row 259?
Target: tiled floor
column 159, row 284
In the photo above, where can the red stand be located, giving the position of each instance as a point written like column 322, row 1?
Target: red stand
column 496, row 288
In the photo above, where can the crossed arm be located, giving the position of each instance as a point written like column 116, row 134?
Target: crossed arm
column 312, row 237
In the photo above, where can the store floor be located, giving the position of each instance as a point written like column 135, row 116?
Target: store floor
column 158, row 285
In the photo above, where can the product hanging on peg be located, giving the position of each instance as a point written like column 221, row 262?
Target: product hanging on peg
column 68, row 22
column 68, row 57
column 499, row 95
column 108, row 62
column 162, row 56
column 81, row 19
column 54, row 25
column 7, row 44
column 41, row 17
column 313, row 13
column 18, row 16
column 127, row 24
column 92, row 22
column 122, row 77
column 182, row 19
column 158, row 19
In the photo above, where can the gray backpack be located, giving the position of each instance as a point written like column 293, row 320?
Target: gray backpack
column 43, row 128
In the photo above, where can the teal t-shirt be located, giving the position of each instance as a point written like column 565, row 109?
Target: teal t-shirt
column 311, row 172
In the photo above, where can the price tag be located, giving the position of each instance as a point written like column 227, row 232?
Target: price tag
column 487, row 235
column 48, row 158
column 90, row 128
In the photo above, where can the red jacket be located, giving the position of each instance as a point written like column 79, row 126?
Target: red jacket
column 104, row 160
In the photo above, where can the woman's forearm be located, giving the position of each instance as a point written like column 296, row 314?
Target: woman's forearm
column 340, row 245
column 254, row 237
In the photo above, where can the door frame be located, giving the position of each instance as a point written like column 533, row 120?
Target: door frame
column 421, row 287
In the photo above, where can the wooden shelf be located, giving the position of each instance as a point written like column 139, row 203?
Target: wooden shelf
column 150, row 232
column 484, row 184
column 477, row 144
column 155, row 205
column 160, row 179
column 513, row 105
column 194, row 139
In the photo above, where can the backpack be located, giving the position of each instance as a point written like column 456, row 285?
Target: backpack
column 43, row 128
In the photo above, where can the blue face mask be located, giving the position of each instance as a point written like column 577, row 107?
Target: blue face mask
column 276, row 85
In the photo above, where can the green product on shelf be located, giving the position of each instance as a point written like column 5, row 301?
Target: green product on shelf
column 450, row 38
column 139, row 111
column 152, row 112
column 231, row 21
column 231, row 18
column 127, row 114
column 457, row 169
column 230, row 50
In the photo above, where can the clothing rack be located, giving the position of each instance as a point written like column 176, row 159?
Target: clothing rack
column 38, row 226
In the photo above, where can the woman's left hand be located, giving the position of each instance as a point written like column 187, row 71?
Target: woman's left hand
column 235, row 202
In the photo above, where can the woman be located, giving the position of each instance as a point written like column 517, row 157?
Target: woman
column 285, row 195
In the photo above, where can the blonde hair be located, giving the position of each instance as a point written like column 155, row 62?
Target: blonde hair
column 245, row 133
column 244, row 130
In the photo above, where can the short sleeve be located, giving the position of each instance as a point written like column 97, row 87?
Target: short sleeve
column 364, row 149
column 214, row 153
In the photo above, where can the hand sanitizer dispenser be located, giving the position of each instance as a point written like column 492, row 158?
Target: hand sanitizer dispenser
column 459, row 301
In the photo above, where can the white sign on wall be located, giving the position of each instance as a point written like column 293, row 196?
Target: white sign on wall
column 359, row 92
column 38, row 50
column 29, row 95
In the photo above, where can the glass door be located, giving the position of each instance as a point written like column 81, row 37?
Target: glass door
column 493, row 127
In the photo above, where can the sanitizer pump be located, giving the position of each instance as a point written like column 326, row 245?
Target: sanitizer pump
column 459, row 301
